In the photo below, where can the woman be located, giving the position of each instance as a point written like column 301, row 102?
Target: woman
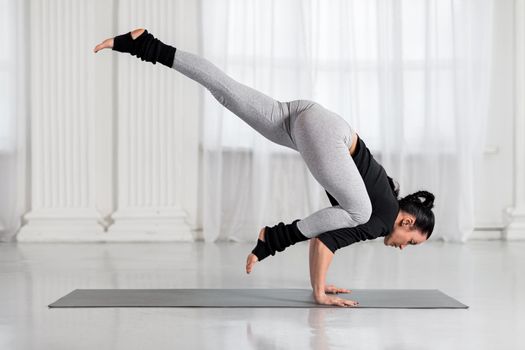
column 363, row 197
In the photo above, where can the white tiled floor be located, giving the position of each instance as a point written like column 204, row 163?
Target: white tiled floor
column 489, row 276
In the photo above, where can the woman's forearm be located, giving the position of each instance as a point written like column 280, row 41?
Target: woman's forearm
column 320, row 258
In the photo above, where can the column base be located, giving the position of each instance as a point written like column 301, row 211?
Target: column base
column 149, row 225
column 515, row 230
column 61, row 225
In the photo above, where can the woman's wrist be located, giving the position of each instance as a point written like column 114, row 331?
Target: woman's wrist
column 319, row 291
column 319, row 296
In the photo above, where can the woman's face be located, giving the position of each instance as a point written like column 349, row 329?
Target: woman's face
column 404, row 233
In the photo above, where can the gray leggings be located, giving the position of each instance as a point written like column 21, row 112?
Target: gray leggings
column 322, row 138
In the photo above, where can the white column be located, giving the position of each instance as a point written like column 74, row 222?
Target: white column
column 516, row 215
column 150, row 124
column 63, row 166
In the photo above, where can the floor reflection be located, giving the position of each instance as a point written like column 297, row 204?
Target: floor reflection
column 488, row 276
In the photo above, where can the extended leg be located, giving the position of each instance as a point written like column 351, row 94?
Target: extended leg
column 269, row 117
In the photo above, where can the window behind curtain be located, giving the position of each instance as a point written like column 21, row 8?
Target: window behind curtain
column 426, row 56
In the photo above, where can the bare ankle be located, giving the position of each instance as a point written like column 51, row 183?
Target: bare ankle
column 137, row 32
column 261, row 234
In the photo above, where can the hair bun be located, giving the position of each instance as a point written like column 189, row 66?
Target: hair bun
column 428, row 201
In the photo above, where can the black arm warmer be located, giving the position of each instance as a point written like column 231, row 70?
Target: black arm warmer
column 277, row 238
column 146, row 47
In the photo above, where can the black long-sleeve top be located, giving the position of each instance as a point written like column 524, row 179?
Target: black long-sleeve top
column 385, row 206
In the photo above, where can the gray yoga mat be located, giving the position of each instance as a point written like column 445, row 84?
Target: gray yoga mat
column 250, row 298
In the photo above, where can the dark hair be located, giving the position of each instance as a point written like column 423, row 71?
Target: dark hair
column 421, row 210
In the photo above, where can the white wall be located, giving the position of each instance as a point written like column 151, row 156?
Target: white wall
column 114, row 141
column 91, row 140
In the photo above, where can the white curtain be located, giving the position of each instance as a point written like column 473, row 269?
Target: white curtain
column 14, row 109
column 411, row 76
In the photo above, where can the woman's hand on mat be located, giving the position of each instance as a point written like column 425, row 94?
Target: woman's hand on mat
column 331, row 289
column 108, row 43
column 324, row 299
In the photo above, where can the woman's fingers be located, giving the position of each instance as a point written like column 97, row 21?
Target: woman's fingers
column 333, row 300
column 334, row 290
column 106, row 44
column 345, row 302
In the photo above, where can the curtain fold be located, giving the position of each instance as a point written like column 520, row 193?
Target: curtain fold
column 14, row 110
column 412, row 77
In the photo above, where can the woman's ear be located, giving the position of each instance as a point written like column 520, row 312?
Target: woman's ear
column 408, row 221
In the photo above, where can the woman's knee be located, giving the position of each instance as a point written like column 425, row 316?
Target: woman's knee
column 362, row 214
column 362, row 218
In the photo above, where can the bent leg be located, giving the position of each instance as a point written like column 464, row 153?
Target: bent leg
column 322, row 138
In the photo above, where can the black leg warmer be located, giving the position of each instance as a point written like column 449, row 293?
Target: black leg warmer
column 146, row 47
column 277, row 238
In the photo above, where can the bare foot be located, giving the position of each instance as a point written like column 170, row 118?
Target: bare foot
column 108, row 43
column 252, row 258
column 331, row 289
